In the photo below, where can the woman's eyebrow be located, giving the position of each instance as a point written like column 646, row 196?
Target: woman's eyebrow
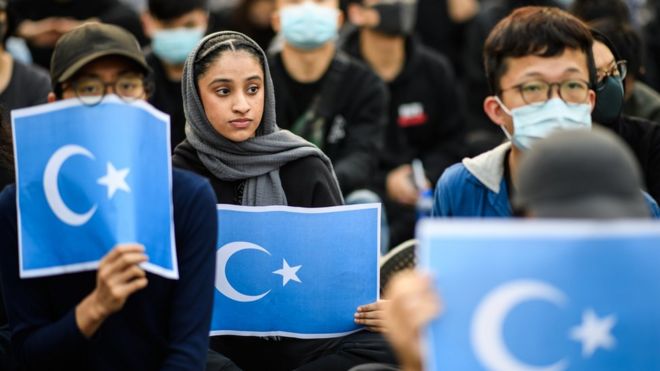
column 220, row 80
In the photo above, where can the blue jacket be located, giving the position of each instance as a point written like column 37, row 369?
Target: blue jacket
column 476, row 188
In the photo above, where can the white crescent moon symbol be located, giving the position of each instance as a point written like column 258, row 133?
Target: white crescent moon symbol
column 52, row 192
column 221, row 283
column 486, row 331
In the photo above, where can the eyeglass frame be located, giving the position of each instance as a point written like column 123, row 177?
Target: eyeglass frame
column 147, row 89
column 621, row 66
column 550, row 90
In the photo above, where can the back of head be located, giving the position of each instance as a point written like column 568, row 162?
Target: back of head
column 166, row 10
column 580, row 174
column 532, row 30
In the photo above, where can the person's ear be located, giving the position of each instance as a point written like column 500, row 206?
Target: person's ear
column 148, row 24
column 495, row 112
column 592, row 99
column 275, row 20
column 51, row 97
column 355, row 16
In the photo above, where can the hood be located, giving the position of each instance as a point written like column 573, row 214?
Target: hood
column 488, row 167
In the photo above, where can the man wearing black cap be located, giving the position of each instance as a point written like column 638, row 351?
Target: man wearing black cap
column 119, row 317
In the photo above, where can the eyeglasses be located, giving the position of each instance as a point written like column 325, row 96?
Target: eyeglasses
column 91, row 90
column 619, row 69
column 537, row 91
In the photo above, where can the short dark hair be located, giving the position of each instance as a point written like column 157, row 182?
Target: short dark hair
column 213, row 49
column 533, row 30
column 166, row 10
column 624, row 39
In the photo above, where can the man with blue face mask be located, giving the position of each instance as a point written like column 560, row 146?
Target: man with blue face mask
column 324, row 95
column 540, row 68
column 174, row 27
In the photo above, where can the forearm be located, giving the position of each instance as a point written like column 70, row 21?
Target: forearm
column 89, row 316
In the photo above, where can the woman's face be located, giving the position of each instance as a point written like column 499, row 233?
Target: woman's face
column 232, row 92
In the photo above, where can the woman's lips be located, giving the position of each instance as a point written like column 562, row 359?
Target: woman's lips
column 240, row 123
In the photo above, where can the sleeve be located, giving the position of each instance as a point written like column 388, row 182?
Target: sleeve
column 325, row 191
column 449, row 131
column 441, row 196
column 357, row 160
column 39, row 340
column 653, row 206
column 192, row 302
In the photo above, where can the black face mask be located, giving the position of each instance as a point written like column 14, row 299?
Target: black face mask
column 397, row 18
column 609, row 100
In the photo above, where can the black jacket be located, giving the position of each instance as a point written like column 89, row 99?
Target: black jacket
column 354, row 116
column 167, row 98
column 306, row 181
column 424, row 115
column 643, row 137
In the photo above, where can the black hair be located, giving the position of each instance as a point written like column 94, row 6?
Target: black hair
column 532, row 30
column 213, row 49
column 166, row 10
column 589, row 10
column 623, row 40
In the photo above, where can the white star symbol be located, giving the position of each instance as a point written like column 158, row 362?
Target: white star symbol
column 114, row 179
column 594, row 332
column 288, row 273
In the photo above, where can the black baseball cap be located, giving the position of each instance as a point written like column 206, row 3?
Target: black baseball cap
column 91, row 41
column 580, row 174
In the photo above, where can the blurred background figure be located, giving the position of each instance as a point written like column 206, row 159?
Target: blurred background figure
column 424, row 115
column 174, row 27
column 42, row 22
column 250, row 17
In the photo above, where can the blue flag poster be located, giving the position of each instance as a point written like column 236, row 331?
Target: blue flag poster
column 296, row 272
column 544, row 295
column 89, row 178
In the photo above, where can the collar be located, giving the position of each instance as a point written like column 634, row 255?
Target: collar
column 488, row 167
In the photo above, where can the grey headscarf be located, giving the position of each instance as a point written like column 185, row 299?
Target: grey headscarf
column 258, row 159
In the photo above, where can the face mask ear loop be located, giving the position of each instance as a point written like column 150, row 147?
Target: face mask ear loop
column 508, row 112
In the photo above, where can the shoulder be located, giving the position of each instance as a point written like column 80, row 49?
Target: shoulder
column 33, row 76
column 8, row 200
column 430, row 57
column 187, row 185
column 309, row 182
column 454, row 175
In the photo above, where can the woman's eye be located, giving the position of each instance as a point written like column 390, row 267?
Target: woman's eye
column 222, row 91
column 253, row 89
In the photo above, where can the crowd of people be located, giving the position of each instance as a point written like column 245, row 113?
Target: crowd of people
column 316, row 103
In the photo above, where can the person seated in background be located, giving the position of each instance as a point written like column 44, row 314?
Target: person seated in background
column 325, row 96
column 539, row 63
column 424, row 114
column 118, row 317
column 641, row 135
column 174, row 27
column 250, row 17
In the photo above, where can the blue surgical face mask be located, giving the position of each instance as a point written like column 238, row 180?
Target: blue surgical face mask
column 174, row 45
column 536, row 121
column 308, row 25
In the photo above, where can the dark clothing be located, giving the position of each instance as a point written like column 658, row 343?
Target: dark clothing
column 167, row 98
column 306, row 183
column 28, row 86
column 107, row 11
column 161, row 327
column 643, row 137
column 351, row 115
column 238, row 19
column 424, row 122
column 643, row 103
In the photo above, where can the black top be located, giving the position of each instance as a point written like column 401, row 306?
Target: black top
column 306, row 182
column 424, row 115
column 161, row 327
column 354, row 127
column 167, row 98
column 643, row 137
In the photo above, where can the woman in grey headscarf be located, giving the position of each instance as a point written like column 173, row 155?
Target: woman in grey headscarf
column 233, row 140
